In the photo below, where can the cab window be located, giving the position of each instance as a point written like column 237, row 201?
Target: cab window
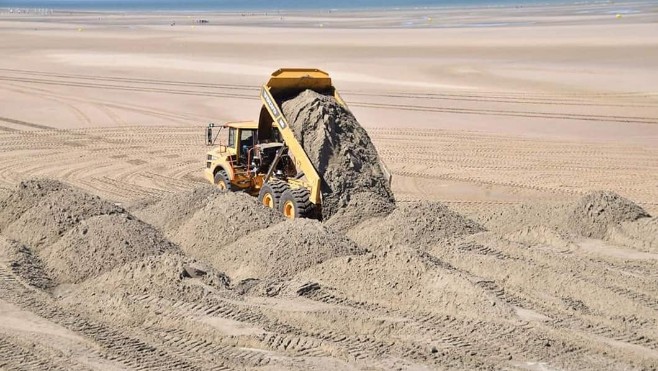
column 246, row 143
column 246, row 137
column 231, row 137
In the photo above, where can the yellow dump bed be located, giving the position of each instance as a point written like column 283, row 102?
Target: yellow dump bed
column 288, row 82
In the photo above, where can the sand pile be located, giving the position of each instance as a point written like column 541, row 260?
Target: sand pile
column 404, row 278
column 595, row 213
column 510, row 219
column 167, row 275
column 101, row 243
column 26, row 195
column 360, row 208
column 282, row 250
column 226, row 218
column 171, row 276
column 415, row 224
column 173, row 210
column 592, row 216
column 55, row 213
column 339, row 148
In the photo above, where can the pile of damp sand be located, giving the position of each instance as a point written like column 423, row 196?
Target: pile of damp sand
column 339, row 148
column 419, row 224
column 224, row 219
column 101, row 243
column 595, row 213
column 26, row 195
column 404, row 278
column 360, row 208
column 169, row 276
column 169, row 213
column 51, row 215
column 282, row 250
column 590, row 216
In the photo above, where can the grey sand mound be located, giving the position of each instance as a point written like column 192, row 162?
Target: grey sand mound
column 416, row 224
column 339, row 148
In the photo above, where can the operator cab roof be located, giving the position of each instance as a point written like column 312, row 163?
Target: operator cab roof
column 242, row 124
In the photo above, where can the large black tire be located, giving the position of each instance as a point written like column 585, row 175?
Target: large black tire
column 270, row 193
column 222, row 181
column 295, row 203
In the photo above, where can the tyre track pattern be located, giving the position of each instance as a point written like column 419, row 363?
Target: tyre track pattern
column 183, row 340
column 285, row 338
column 281, row 338
column 592, row 275
column 125, row 349
column 453, row 333
column 13, row 356
column 125, row 179
column 229, row 91
column 453, row 338
column 560, row 320
column 553, row 167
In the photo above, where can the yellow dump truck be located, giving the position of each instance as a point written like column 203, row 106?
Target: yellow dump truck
column 264, row 158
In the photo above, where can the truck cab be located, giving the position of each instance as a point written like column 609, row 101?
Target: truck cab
column 240, row 160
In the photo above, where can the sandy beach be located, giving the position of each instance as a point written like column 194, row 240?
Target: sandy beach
column 485, row 110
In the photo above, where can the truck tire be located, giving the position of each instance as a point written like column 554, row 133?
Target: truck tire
column 270, row 193
column 295, row 203
column 222, row 181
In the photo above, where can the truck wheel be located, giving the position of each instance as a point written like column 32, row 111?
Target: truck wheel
column 295, row 203
column 222, row 181
column 270, row 193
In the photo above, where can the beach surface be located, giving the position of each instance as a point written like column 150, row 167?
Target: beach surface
column 507, row 115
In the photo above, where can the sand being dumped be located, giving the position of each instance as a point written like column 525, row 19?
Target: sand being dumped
column 417, row 224
column 101, row 243
column 339, row 148
column 282, row 250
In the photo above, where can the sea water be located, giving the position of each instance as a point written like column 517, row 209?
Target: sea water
column 243, row 5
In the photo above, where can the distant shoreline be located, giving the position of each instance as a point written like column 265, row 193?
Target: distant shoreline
column 139, row 9
column 453, row 16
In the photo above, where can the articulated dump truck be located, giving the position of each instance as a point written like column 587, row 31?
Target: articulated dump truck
column 264, row 158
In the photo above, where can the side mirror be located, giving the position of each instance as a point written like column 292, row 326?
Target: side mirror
column 209, row 140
